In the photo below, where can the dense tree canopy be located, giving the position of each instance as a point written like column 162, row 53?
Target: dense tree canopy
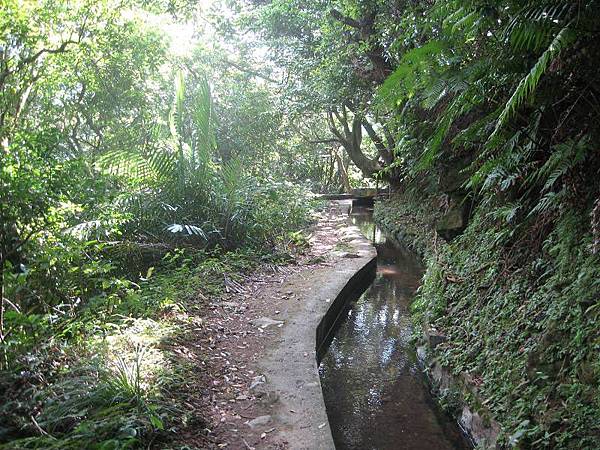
column 121, row 151
column 117, row 152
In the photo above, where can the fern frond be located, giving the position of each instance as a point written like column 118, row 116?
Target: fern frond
column 549, row 202
column 434, row 94
column 507, row 212
column 530, row 36
column 402, row 83
column 564, row 158
column 533, row 26
column 469, row 23
column 528, row 85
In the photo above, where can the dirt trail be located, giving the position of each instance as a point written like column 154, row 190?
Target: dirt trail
column 264, row 390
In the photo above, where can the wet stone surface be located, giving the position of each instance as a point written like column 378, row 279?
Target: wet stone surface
column 376, row 395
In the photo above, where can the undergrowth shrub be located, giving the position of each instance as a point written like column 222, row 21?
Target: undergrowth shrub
column 527, row 327
column 102, row 378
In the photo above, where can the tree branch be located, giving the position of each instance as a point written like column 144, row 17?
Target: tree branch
column 323, row 141
column 16, row 248
column 31, row 59
column 344, row 19
column 249, row 71
column 333, row 128
column 391, row 142
column 383, row 151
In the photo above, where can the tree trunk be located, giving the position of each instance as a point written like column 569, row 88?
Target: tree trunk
column 343, row 173
column 350, row 136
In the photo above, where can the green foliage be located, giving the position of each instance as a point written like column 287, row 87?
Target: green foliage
column 108, row 384
column 532, row 331
column 406, row 79
column 117, row 156
column 501, row 110
column 129, row 182
column 528, row 85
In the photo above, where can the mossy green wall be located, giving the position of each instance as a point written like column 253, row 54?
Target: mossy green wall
column 521, row 316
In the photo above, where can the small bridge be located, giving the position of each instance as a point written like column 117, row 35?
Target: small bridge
column 359, row 196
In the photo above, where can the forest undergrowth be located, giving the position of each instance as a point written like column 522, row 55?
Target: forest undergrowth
column 526, row 335
column 119, row 374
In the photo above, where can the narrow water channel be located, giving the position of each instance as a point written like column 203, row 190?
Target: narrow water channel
column 376, row 395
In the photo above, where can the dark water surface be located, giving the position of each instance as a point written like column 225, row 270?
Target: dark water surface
column 376, row 395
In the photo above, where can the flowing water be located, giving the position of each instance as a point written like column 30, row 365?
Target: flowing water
column 376, row 395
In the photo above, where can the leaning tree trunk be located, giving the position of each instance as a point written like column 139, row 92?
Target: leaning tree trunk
column 350, row 136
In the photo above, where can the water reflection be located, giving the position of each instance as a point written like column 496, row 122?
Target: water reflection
column 375, row 394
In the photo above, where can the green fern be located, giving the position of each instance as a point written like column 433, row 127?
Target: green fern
column 528, row 85
column 533, row 26
column 565, row 157
column 403, row 82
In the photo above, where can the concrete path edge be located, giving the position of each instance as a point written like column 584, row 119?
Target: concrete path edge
column 291, row 368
